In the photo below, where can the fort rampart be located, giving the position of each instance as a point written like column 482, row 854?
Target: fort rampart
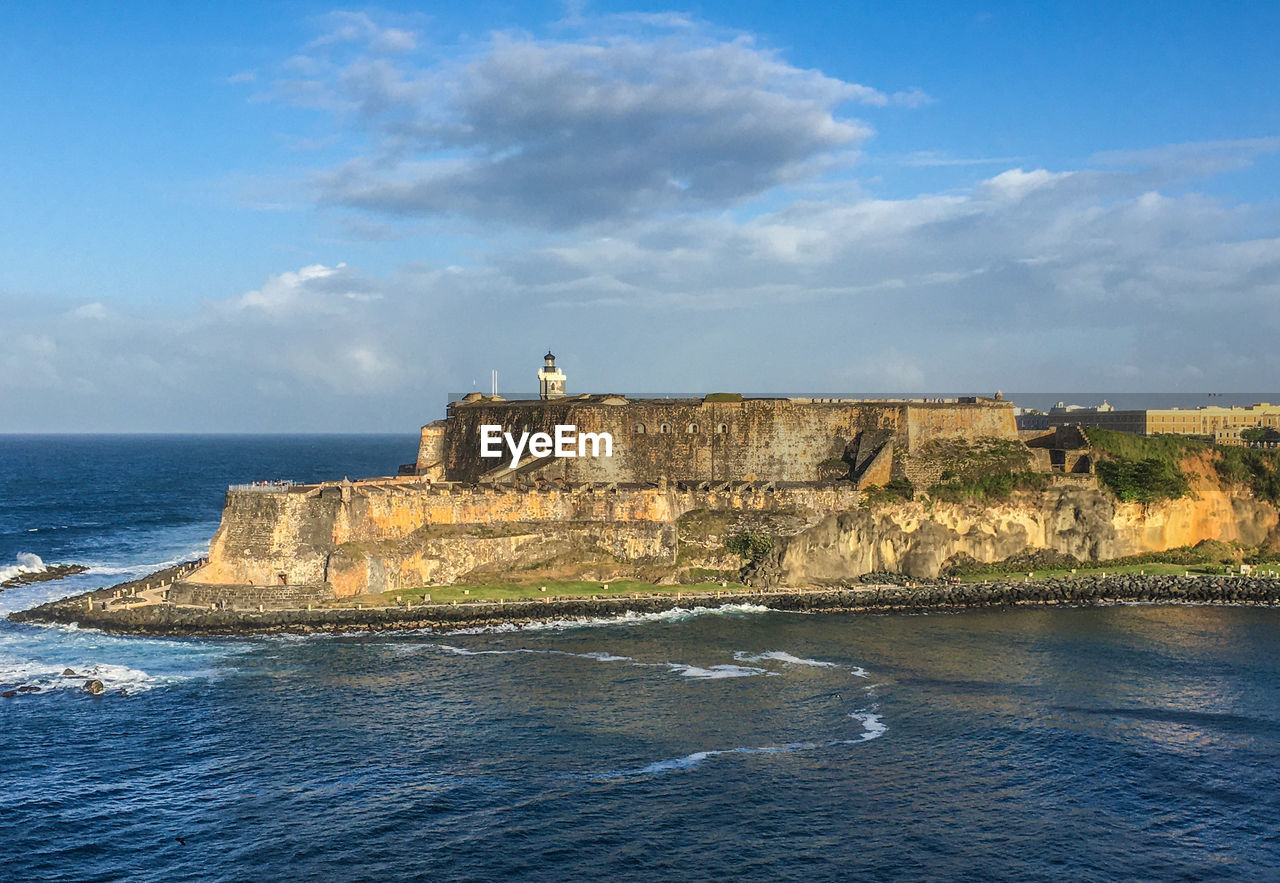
column 719, row 438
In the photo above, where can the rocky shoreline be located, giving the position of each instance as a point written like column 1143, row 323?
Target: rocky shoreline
column 167, row 620
column 50, row 573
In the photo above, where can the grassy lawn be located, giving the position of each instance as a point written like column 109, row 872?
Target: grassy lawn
column 519, row 592
column 1095, row 569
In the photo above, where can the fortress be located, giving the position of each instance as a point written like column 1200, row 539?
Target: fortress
column 684, row 473
column 724, row 437
column 769, row 492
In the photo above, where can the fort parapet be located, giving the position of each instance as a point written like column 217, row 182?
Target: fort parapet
column 718, row 438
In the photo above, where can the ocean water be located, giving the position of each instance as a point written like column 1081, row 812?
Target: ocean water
column 1136, row 742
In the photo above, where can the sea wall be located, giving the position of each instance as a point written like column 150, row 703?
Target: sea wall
column 169, row 620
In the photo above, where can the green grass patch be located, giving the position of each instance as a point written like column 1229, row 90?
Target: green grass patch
column 1127, row 446
column 1140, row 468
column 1093, row 569
column 527, row 591
column 988, row 469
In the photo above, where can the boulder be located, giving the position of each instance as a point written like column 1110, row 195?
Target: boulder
column 68, row 673
column 94, row 687
column 9, row 694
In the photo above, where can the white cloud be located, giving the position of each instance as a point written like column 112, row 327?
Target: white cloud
column 95, row 311
column 298, row 291
column 561, row 132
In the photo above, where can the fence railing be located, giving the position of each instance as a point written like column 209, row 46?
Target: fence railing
column 278, row 487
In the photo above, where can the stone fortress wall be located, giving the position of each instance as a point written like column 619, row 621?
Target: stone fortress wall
column 718, row 438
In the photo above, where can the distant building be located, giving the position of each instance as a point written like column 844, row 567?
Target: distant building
column 1224, row 425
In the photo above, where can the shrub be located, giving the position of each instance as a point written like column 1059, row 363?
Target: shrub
column 896, row 490
column 1257, row 469
column 750, row 544
column 1143, row 481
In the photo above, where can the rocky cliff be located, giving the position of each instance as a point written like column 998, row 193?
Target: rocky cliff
column 1077, row 519
column 350, row 538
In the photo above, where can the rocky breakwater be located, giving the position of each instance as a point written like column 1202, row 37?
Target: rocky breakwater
column 918, row 538
column 169, row 620
column 112, row 601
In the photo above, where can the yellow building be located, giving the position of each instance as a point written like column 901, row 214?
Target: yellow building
column 1222, row 424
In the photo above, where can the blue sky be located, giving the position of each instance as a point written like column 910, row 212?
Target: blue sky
column 294, row 216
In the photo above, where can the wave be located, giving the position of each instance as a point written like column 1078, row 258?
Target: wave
column 28, row 562
column 872, row 728
column 782, row 656
column 716, row 671
column 101, row 569
column 115, row 678
column 683, row 669
column 675, row 614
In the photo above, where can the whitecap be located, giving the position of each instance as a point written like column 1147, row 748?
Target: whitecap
column 50, row 677
column 715, row 671
column 782, row 656
column 28, row 562
column 675, row 614
column 872, row 726
column 684, row 669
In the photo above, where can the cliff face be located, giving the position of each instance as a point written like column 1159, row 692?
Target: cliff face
column 389, row 534
column 1082, row 521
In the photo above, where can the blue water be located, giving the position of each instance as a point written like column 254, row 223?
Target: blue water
column 1126, row 742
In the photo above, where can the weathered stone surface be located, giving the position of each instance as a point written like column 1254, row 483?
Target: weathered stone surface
column 94, row 687
column 784, row 440
column 1088, row 524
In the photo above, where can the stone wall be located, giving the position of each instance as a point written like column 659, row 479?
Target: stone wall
column 248, row 597
column 710, row 440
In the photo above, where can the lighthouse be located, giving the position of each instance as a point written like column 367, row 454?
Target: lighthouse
column 550, row 379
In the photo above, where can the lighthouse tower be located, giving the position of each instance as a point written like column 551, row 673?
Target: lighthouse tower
column 550, row 378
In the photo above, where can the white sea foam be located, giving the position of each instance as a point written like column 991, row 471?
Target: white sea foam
column 872, row 726
column 27, row 563
column 675, row 614
column 50, row 677
column 715, row 671
column 684, row 669
column 694, row 760
column 782, row 656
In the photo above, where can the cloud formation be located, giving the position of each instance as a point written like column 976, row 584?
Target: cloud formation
column 672, row 209
column 561, row 133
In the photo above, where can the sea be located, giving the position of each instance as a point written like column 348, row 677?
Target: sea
column 1131, row 742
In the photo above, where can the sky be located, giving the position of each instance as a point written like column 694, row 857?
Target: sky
column 298, row 217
